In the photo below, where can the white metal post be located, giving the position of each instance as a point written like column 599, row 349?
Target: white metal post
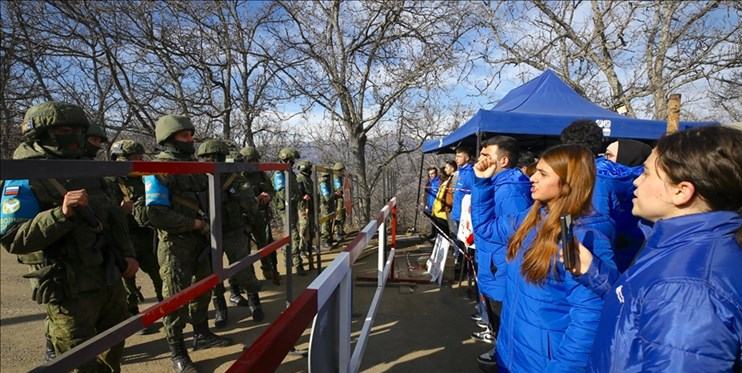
column 345, row 300
column 382, row 244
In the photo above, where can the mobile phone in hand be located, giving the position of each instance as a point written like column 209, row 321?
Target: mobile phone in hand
column 569, row 248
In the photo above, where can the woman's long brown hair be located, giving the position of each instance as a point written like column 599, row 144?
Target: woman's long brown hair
column 575, row 166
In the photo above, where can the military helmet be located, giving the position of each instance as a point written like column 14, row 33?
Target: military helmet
column 168, row 125
column 50, row 114
column 251, row 154
column 287, row 154
column 96, row 130
column 339, row 166
column 304, row 166
column 213, row 146
column 125, row 148
column 235, row 156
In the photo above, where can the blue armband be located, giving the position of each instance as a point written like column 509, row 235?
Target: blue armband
column 338, row 183
column 279, row 181
column 18, row 203
column 155, row 192
column 324, row 190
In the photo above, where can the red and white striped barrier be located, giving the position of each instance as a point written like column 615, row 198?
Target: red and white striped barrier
column 334, row 284
column 31, row 169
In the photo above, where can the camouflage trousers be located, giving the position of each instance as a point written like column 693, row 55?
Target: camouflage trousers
column 339, row 226
column 293, row 230
column 262, row 235
column 307, row 231
column 181, row 265
column 147, row 264
column 326, row 227
column 237, row 246
column 76, row 320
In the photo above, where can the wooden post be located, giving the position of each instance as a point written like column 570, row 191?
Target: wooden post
column 673, row 113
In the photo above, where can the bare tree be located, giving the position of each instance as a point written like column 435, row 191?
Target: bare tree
column 640, row 50
column 356, row 60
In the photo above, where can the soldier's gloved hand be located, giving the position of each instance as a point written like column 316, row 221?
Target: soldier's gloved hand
column 127, row 207
column 132, row 266
column 202, row 227
column 264, row 197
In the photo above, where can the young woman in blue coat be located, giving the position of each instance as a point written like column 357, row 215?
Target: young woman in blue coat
column 548, row 320
column 678, row 308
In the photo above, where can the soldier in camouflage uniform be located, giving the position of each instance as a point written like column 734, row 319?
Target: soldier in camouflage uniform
column 129, row 192
column 261, row 230
column 94, row 138
column 72, row 233
column 183, row 249
column 238, row 207
column 338, row 177
column 289, row 155
column 306, row 209
column 326, row 207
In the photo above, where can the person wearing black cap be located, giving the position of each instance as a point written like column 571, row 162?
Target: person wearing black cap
column 628, row 152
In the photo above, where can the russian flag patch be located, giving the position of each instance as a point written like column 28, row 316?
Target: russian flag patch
column 12, row 190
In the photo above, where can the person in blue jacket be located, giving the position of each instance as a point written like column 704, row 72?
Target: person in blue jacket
column 613, row 190
column 512, row 194
column 678, row 308
column 628, row 157
column 463, row 187
column 431, row 190
column 548, row 320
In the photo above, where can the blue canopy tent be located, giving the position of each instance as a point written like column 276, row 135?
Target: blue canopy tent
column 537, row 111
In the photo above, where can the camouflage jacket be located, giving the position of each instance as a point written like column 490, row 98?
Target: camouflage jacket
column 133, row 186
column 171, row 217
column 239, row 205
column 70, row 240
column 260, row 182
column 279, row 184
column 306, row 186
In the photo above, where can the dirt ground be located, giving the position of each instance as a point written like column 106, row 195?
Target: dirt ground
column 418, row 328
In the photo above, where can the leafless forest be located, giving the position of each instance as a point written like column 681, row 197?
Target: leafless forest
column 363, row 82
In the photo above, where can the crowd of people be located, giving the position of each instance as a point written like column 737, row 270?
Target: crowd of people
column 656, row 286
column 84, row 239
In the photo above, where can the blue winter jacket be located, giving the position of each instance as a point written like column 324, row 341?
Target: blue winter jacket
column 464, row 185
column 548, row 328
column 431, row 190
column 507, row 193
column 679, row 307
column 614, row 190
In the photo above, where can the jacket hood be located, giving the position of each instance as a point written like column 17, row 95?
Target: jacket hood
column 511, row 176
column 612, row 170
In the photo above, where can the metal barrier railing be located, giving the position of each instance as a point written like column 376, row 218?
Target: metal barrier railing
column 36, row 169
column 327, row 300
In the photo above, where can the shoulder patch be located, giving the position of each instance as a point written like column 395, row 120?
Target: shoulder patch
column 155, row 192
column 279, row 181
column 18, row 204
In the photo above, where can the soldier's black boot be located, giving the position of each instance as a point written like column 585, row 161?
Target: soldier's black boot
column 300, row 270
column 236, row 297
column 257, row 310
column 181, row 361
column 49, row 354
column 203, row 338
column 220, row 314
